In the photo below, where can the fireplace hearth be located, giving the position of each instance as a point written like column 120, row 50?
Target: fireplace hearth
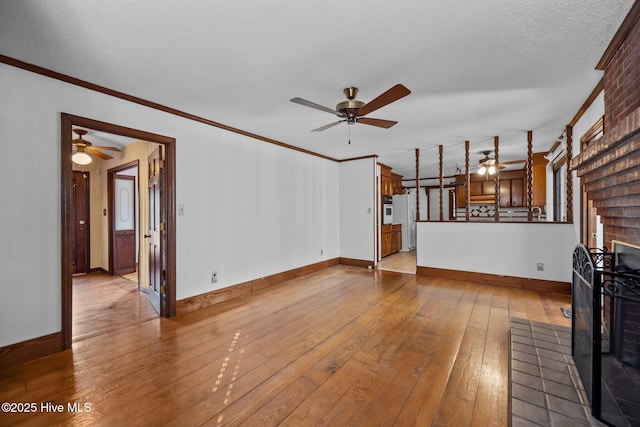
column 606, row 330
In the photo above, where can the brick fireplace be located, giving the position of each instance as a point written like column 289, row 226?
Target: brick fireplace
column 607, row 317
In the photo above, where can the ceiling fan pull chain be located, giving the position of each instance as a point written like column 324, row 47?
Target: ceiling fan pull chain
column 349, row 128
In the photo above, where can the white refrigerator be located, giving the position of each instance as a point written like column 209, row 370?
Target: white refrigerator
column 404, row 212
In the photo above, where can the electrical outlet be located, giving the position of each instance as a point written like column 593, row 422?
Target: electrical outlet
column 321, row 251
column 214, row 277
column 540, row 266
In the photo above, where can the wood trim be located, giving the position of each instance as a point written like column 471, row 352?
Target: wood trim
column 356, row 262
column 430, row 178
column 625, row 28
column 197, row 302
column 67, row 122
column 370, row 156
column 496, row 280
column 116, row 94
column 595, row 131
column 16, row 354
column 587, row 103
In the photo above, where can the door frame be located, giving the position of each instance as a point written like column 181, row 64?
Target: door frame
column 111, row 174
column 66, row 131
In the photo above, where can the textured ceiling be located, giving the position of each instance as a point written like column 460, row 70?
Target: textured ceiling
column 475, row 68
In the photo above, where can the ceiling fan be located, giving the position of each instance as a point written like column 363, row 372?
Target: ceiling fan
column 487, row 165
column 84, row 149
column 353, row 111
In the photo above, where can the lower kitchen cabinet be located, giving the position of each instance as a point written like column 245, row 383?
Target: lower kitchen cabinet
column 391, row 238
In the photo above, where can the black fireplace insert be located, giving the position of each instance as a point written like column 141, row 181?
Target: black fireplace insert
column 606, row 331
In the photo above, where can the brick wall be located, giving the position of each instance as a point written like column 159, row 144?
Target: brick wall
column 622, row 80
column 609, row 169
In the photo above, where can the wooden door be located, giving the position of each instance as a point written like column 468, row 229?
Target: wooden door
column 156, row 235
column 80, row 221
column 124, row 224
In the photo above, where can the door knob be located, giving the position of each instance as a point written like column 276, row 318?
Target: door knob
column 146, row 236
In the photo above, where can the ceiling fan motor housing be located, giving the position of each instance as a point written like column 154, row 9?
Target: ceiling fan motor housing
column 350, row 109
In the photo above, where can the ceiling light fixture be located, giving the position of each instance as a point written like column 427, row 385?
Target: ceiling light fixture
column 487, row 165
column 81, row 157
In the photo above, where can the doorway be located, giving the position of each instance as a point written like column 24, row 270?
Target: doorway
column 167, row 307
column 123, row 202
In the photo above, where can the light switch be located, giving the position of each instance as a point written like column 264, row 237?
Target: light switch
column 181, row 210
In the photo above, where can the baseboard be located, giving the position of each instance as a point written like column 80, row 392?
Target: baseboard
column 16, row 354
column 197, row 302
column 497, row 280
column 357, row 262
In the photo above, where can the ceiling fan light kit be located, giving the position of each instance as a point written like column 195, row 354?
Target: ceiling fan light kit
column 487, row 165
column 81, row 158
column 353, row 111
column 84, row 149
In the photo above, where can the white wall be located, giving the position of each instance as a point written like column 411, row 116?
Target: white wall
column 507, row 249
column 251, row 208
column 357, row 209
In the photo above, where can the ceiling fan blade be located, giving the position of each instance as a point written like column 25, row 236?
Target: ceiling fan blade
column 391, row 95
column 316, row 106
column 513, row 162
column 98, row 154
column 330, row 125
column 376, row 122
column 105, row 148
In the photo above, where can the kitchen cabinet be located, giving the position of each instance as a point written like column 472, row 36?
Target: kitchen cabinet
column 396, row 183
column 391, row 238
column 483, row 190
column 513, row 187
column 385, row 181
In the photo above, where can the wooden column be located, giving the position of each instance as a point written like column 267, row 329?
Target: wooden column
column 467, row 182
column 417, row 184
column 441, row 176
column 569, row 174
column 529, row 175
column 496, row 179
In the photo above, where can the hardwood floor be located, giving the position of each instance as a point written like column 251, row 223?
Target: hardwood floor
column 343, row 346
column 402, row 262
column 103, row 304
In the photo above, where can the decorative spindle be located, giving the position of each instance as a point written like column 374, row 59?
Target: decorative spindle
column 417, row 184
column 441, row 158
column 569, row 174
column 530, row 176
column 496, row 181
column 467, row 182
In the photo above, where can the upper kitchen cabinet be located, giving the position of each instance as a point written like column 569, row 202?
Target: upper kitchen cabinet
column 512, row 187
column 385, row 181
column 396, row 183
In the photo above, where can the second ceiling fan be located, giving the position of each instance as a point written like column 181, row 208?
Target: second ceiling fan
column 353, row 111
